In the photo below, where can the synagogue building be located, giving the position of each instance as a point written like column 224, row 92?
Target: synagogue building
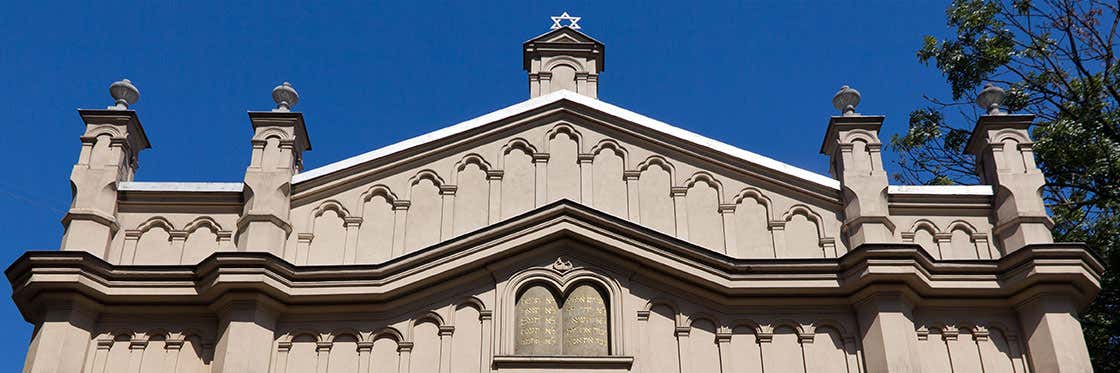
column 559, row 234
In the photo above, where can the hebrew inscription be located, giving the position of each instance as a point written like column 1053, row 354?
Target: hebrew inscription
column 577, row 327
column 585, row 322
column 538, row 323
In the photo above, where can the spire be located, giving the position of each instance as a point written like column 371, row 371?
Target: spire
column 563, row 58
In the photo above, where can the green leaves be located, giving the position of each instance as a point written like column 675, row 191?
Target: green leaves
column 932, row 151
column 925, row 125
column 1057, row 60
column 981, row 47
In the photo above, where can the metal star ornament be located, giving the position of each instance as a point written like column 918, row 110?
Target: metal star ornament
column 573, row 22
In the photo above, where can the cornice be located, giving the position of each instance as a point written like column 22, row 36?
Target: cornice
column 622, row 243
column 126, row 118
column 283, row 119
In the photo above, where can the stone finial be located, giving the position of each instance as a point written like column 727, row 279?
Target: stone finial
column 846, row 101
column 991, row 98
column 124, row 94
column 285, row 97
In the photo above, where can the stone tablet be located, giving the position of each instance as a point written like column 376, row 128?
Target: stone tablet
column 585, row 323
column 538, row 323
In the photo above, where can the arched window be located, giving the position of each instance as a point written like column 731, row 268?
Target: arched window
column 550, row 323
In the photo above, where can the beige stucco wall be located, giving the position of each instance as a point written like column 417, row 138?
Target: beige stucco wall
column 495, row 177
column 462, row 327
column 171, row 237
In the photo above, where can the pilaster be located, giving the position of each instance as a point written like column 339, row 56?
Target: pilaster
column 62, row 336
column 350, row 252
column 680, row 210
column 445, row 334
column 1053, row 334
column 631, row 179
column 247, row 325
column 887, row 331
column 540, row 167
column 494, row 180
column 586, row 172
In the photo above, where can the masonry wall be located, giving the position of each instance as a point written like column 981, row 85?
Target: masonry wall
column 411, row 206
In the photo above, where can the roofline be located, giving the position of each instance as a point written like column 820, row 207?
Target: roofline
column 148, row 186
column 958, row 190
column 553, row 97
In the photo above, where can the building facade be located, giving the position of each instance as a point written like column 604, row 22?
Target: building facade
column 561, row 233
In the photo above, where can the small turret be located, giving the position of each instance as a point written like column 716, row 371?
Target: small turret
column 1004, row 154
column 111, row 146
column 279, row 140
column 563, row 58
column 852, row 144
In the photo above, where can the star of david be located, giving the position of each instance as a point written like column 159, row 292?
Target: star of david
column 573, row 22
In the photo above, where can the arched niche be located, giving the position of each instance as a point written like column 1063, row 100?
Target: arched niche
column 579, row 304
column 924, row 233
column 472, row 198
column 573, row 323
column 655, row 205
column 608, row 188
column 202, row 239
column 750, row 226
column 424, row 216
column 702, row 205
column 153, row 243
column 376, row 234
column 518, row 177
column 804, row 232
column 327, row 224
column 563, row 145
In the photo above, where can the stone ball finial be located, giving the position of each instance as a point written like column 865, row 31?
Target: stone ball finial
column 124, row 94
column 991, row 98
column 285, row 97
column 846, row 100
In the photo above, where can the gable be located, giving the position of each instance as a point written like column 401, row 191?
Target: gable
column 665, row 132
column 435, row 187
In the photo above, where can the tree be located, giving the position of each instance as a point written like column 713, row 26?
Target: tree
column 1058, row 59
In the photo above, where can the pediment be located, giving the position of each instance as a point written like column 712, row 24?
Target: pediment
column 432, row 188
column 563, row 35
column 564, row 38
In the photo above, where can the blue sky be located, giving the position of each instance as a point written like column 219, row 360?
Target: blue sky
column 755, row 74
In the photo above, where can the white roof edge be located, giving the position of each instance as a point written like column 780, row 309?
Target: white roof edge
column 427, row 137
column 536, row 102
column 149, row 186
column 967, row 190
